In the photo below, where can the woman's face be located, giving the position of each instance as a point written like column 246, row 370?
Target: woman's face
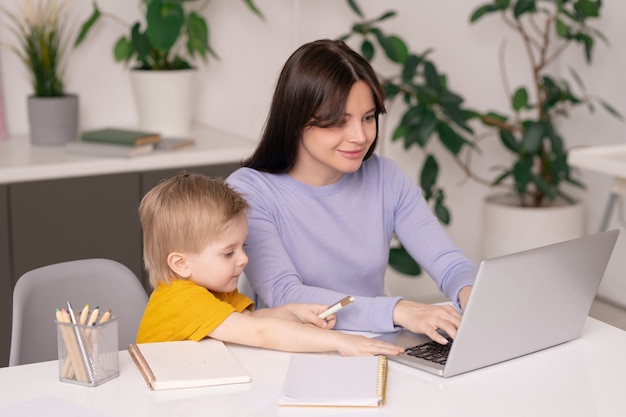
column 325, row 154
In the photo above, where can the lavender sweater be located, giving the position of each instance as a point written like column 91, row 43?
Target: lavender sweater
column 317, row 244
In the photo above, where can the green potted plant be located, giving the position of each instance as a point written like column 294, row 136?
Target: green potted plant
column 538, row 173
column 161, row 49
column 431, row 111
column 43, row 36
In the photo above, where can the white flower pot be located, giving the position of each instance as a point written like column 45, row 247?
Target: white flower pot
column 165, row 100
column 509, row 228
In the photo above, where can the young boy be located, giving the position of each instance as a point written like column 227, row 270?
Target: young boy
column 194, row 230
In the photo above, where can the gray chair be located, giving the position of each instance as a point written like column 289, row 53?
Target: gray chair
column 98, row 282
column 245, row 288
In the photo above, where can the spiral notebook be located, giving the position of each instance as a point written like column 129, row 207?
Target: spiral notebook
column 187, row 364
column 335, row 381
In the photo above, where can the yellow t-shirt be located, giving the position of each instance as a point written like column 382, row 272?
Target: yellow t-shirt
column 184, row 310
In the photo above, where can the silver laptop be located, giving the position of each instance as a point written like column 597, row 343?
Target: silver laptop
column 520, row 303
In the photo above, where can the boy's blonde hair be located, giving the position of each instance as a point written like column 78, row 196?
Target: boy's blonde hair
column 184, row 214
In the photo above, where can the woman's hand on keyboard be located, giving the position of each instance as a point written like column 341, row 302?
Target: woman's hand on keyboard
column 427, row 319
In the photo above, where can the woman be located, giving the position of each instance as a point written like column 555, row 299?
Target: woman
column 325, row 208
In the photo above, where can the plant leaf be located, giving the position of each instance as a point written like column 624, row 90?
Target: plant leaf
column 426, row 128
column 197, row 35
column 409, row 70
column 520, row 99
column 123, row 49
column 431, row 76
column 254, row 8
column 164, row 24
column 556, row 142
column 521, row 173
column 533, row 136
column 522, row 7
column 588, row 8
column 401, row 261
column 441, row 211
column 610, row 109
column 86, row 27
column 428, row 176
column 449, row 138
column 385, row 16
column 355, row 8
column 367, row 49
column 508, row 140
column 395, row 49
column 482, row 11
column 562, row 30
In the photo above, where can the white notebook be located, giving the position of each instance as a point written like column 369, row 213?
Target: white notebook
column 187, row 364
column 335, row 381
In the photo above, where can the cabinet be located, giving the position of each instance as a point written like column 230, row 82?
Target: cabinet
column 62, row 220
column 6, row 299
column 55, row 208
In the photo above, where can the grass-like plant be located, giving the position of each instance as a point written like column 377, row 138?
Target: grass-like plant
column 41, row 30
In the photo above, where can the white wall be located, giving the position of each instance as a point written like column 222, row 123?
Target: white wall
column 235, row 92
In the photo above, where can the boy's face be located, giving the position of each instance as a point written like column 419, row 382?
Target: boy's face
column 218, row 266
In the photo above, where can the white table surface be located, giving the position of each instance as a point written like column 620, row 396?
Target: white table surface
column 585, row 377
column 609, row 159
column 21, row 161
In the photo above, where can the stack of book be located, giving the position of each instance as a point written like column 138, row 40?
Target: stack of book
column 122, row 143
column 114, row 142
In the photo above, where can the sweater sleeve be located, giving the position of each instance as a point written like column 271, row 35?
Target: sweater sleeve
column 425, row 239
column 275, row 278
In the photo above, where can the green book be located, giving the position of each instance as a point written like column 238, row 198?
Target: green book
column 121, row 136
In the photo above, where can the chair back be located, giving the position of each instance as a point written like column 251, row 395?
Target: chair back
column 102, row 283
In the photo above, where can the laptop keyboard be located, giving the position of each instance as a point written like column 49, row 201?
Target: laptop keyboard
column 431, row 351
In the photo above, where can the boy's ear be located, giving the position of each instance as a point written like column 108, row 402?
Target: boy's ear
column 178, row 264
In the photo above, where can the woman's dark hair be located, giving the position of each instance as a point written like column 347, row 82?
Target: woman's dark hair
column 312, row 90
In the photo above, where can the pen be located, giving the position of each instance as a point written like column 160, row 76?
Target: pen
column 81, row 345
column 337, row 306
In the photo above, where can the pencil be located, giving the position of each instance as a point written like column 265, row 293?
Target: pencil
column 72, row 364
column 94, row 316
column 83, row 315
column 105, row 317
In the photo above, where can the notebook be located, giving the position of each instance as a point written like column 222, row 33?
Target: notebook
column 334, row 381
column 521, row 303
column 187, row 364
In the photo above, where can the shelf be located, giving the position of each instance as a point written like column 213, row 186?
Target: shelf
column 20, row 161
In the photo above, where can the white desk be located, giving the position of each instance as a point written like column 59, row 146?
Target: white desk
column 573, row 379
column 609, row 160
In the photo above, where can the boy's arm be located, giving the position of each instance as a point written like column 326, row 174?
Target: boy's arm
column 290, row 336
column 298, row 312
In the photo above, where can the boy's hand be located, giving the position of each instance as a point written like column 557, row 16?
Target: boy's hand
column 309, row 314
column 355, row 345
